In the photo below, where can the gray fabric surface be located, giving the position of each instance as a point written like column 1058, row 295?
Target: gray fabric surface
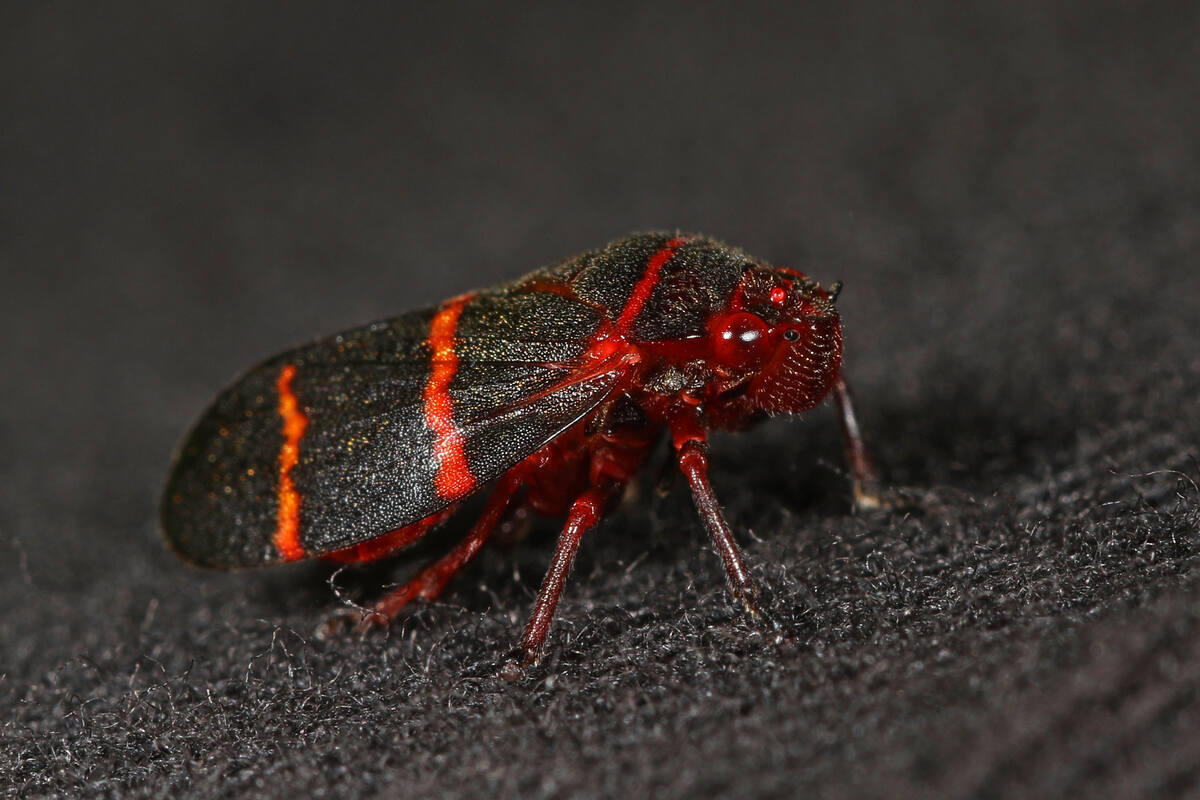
column 1012, row 197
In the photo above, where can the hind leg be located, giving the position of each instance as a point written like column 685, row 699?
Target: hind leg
column 429, row 582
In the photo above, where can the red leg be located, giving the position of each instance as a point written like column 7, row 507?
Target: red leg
column 430, row 582
column 691, row 446
column 583, row 515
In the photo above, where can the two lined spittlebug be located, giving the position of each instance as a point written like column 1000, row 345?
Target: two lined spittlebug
column 548, row 391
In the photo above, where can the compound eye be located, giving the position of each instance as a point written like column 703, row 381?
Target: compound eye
column 740, row 339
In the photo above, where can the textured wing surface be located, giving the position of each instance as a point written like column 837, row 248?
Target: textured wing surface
column 353, row 436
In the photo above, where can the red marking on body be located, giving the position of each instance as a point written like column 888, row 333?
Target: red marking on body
column 454, row 478
column 604, row 349
column 645, row 286
column 287, row 512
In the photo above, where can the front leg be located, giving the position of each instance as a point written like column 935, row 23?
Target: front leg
column 689, row 434
column 869, row 494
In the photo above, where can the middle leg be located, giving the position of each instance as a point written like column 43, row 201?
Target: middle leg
column 583, row 515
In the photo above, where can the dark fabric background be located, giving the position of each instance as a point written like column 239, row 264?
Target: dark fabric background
column 1012, row 197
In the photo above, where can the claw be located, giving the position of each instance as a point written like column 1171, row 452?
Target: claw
column 762, row 618
column 516, row 662
column 359, row 620
column 870, row 499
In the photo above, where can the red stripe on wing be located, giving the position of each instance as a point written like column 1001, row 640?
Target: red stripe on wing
column 645, row 285
column 454, row 478
column 287, row 514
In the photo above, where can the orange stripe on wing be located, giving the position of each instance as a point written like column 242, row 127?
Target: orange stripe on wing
column 287, row 515
column 454, row 478
column 645, row 285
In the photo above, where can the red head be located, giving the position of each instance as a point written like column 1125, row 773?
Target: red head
column 779, row 342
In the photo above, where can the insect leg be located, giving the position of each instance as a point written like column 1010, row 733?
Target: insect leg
column 691, row 447
column 869, row 494
column 583, row 515
column 430, row 582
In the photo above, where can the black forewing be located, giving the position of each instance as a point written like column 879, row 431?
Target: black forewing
column 693, row 284
column 366, row 460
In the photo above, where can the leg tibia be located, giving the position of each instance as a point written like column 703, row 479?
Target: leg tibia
column 583, row 515
column 690, row 437
column 693, row 463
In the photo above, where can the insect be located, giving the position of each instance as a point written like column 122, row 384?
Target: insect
column 549, row 391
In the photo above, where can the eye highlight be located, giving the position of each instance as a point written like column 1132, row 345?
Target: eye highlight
column 740, row 339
